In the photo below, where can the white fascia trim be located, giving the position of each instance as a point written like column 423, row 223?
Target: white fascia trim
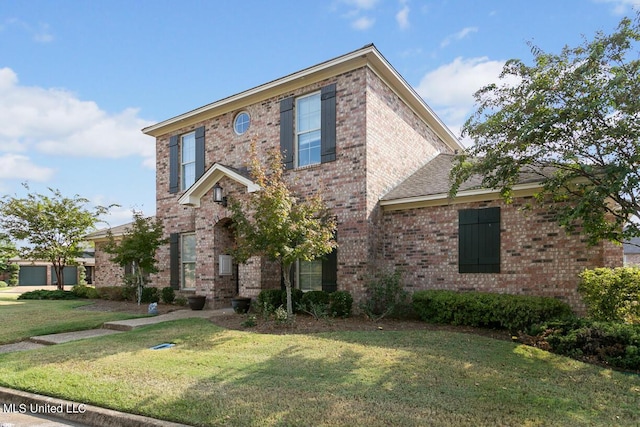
column 466, row 196
column 192, row 196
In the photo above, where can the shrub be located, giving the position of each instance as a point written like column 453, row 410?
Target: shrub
column 181, row 301
column 3, row 284
column 512, row 312
column 611, row 343
column 168, row 295
column 315, row 298
column 340, row 303
column 296, row 298
column 84, row 291
column 385, row 296
column 612, row 294
column 14, row 274
column 268, row 300
column 150, row 295
column 42, row 294
column 113, row 293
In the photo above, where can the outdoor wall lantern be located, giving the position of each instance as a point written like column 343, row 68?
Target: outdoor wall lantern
column 217, row 195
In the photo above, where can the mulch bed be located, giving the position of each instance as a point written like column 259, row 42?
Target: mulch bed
column 303, row 324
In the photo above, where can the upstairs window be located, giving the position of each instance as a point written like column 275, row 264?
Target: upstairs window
column 308, row 130
column 479, row 240
column 187, row 160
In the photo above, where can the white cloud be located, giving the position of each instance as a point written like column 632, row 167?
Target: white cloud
column 17, row 166
column 620, row 7
column 40, row 33
column 56, row 122
column 363, row 23
column 458, row 36
column 402, row 17
column 361, row 4
column 449, row 89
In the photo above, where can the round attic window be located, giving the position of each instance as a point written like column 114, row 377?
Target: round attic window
column 241, row 122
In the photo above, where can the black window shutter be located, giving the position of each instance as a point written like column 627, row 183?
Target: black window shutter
column 199, row 152
column 286, row 132
column 174, row 164
column 330, row 272
column 479, row 241
column 468, row 241
column 489, row 240
column 328, row 123
column 174, row 260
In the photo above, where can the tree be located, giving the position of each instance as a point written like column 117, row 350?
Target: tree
column 137, row 248
column 52, row 227
column 278, row 225
column 573, row 120
column 8, row 250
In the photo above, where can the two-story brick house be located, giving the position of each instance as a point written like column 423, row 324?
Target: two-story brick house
column 354, row 130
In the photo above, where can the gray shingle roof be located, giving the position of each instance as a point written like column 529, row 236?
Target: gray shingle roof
column 433, row 178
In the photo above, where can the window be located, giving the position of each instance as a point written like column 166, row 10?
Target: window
column 479, row 240
column 310, row 275
column 187, row 160
column 317, row 275
column 241, row 123
column 308, row 130
column 188, row 261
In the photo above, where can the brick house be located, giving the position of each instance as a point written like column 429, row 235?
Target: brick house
column 353, row 129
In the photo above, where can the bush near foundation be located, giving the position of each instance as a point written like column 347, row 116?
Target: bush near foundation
column 335, row 304
column 612, row 294
column 481, row 309
column 84, row 291
column 605, row 343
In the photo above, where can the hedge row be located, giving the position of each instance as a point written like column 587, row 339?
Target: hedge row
column 512, row 312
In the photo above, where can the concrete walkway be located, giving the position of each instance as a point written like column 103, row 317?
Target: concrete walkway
column 29, row 407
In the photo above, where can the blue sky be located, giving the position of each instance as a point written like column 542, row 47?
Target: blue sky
column 80, row 79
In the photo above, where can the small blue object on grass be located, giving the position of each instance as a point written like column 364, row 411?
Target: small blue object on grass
column 153, row 308
column 162, row 346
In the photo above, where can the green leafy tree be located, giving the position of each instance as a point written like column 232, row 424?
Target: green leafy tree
column 52, row 227
column 8, row 250
column 572, row 119
column 278, row 225
column 137, row 248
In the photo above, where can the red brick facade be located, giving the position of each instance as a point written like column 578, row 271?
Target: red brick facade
column 384, row 133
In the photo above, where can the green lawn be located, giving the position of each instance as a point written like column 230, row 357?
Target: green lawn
column 215, row 377
column 21, row 319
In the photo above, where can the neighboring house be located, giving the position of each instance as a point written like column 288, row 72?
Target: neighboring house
column 41, row 273
column 107, row 273
column 355, row 131
column 632, row 252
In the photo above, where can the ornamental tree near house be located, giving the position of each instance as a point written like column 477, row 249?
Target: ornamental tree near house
column 137, row 248
column 278, row 225
column 573, row 119
column 52, row 227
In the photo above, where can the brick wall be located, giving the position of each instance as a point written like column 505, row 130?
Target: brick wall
column 106, row 273
column 537, row 256
column 379, row 142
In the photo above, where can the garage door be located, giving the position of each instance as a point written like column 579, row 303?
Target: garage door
column 70, row 276
column 32, row 275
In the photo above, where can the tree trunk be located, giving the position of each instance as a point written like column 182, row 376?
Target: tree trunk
column 286, row 275
column 59, row 271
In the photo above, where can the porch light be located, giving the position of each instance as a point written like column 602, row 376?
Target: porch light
column 217, row 195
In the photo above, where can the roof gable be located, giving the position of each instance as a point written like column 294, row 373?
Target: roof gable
column 367, row 56
column 194, row 194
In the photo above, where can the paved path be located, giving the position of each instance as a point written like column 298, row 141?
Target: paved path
column 27, row 407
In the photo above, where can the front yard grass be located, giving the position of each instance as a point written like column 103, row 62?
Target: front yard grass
column 215, row 376
column 21, row 319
